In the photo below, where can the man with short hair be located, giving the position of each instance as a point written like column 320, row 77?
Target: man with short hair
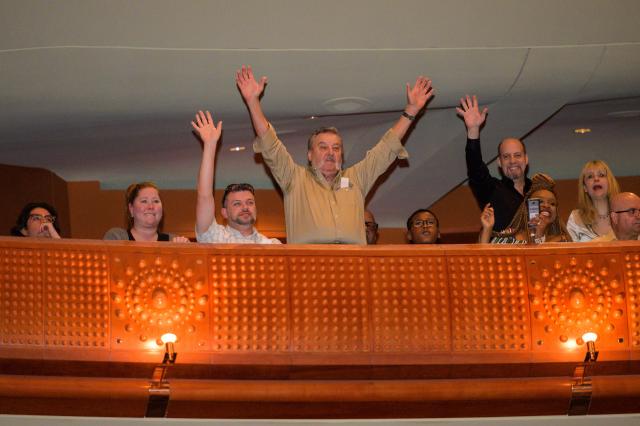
column 625, row 218
column 505, row 195
column 238, row 201
column 423, row 227
column 371, row 227
column 324, row 204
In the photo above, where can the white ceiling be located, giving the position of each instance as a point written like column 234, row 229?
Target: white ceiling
column 104, row 90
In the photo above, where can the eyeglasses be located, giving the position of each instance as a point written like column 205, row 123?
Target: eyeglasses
column 632, row 211
column 371, row 225
column 421, row 223
column 40, row 218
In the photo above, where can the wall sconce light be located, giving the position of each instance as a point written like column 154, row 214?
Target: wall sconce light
column 590, row 339
column 170, row 354
column 159, row 389
column 582, row 388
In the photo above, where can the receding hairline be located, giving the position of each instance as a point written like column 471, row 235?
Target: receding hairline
column 621, row 197
column 507, row 139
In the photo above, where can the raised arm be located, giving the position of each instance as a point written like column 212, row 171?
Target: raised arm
column 417, row 98
column 251, row 90
column 209, row 133
column 472, row 116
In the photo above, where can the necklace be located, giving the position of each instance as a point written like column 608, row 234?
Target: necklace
column 603, row 216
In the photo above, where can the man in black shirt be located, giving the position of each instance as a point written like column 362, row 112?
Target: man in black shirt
column 505, row 195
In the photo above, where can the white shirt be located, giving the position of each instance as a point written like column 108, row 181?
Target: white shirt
column 226, row 234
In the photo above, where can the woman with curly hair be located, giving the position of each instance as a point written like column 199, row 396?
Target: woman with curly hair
column 545, row 227
column 596, row 187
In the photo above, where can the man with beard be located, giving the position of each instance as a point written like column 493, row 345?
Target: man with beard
column 505, row 195
column 625, row 218
column 423, row 227
column 238, row 201
column 324, row 204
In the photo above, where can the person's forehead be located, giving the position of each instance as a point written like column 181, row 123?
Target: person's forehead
column 328, row 138
column 594, row 170
column 40, row 211
column 543, row 193
column 148, row 192
column 240, row 196
column 423, row 216
column 630, row 202
column 511, row 146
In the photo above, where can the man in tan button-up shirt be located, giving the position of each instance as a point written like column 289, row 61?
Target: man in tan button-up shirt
column 324, row 204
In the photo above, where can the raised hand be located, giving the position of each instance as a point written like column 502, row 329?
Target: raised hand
column 48, row 228
column 418, row 95
column 487, row 218
column 249, row 87
column 470, row 113
column 206, row 129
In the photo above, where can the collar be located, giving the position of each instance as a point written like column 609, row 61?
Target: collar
column 318, row 177
column 509, row 183
column 239, row 235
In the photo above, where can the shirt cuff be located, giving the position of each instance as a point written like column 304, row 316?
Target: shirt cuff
column 395, row 145
column 262, row 143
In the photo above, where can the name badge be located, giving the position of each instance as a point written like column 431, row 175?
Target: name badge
column 344, row 183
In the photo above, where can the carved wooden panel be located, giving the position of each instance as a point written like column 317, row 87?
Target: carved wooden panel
column 250, row 303
column 632, row 279
column 21, row 321
column 571, row 295
column 329, row 304
column 72, row 299
column 76, row 299
column 489, row 309
column 157, row 293
column 410, row 304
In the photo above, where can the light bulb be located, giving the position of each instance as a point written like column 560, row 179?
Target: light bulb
column 589, row 336
column 168, row 338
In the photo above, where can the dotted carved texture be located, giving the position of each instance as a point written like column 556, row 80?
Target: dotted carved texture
column 632, row 278
column 156, row 294
column 329, row 303
column 76, row 299
column 250, row 304
column 410, row 304
column 571, row 295
column 20, row 297
column 489, row 303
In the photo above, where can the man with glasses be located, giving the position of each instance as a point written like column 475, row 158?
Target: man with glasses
column 423, row 227
column 238, row 201
column 371, row 227
column 324, row 204
column 625, row 218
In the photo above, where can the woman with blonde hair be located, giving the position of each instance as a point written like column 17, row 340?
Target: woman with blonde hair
column 143, row 215
column 545, row 227
column 596, row 187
